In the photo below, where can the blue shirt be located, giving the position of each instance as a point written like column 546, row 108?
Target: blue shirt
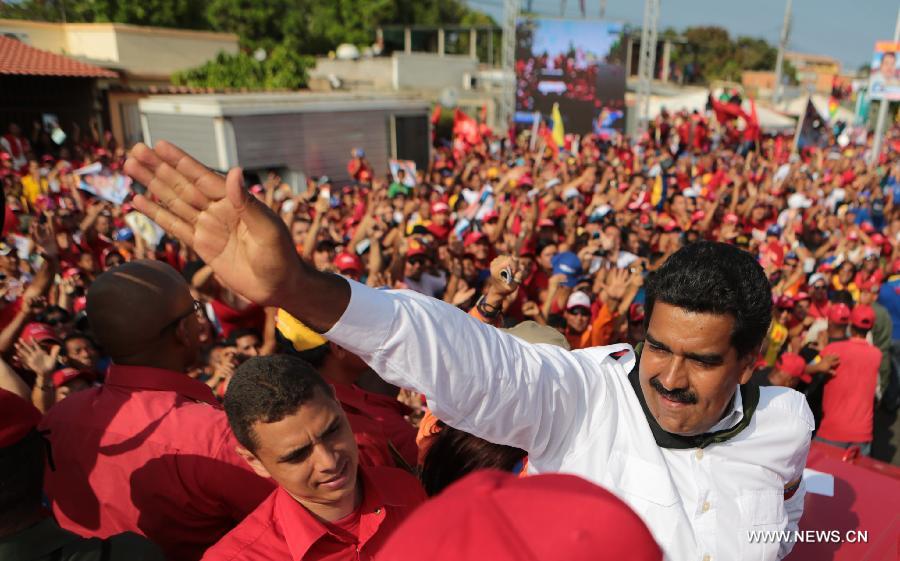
column 889, row 297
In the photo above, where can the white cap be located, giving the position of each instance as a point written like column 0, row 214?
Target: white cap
column 578, row 299
column 816, row 277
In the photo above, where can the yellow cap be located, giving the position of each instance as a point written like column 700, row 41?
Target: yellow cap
column 300, row 336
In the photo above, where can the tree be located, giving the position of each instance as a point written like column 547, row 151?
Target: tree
column 713, row 54
column 282, row 69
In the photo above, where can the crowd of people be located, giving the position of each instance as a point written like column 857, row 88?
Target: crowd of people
column 179, row 411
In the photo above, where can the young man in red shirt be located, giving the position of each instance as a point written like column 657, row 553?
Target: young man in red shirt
column 291, row 428
column 847, row 404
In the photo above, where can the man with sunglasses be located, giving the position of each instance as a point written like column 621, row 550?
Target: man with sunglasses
column 150, row 452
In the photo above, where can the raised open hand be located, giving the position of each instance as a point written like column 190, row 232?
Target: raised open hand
column 244, row 242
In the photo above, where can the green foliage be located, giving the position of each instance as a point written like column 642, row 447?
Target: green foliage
column 282, row 69
column 716, row 56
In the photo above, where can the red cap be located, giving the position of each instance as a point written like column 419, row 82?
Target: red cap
column 347, row 262
column 546, row 223
column 440, row 208
column 491, row 215
column 65, row 375
column 793, row 365
column 853, row 236
column 731, row 218
column 79, row 304
column 867, row 227
column 415, row 248
column 39, row 332
column 839, row 314
column 473, row 238
column 17, row 418
column 71, row 272
column 784, row 303
column 698, row 216
column 636, row 313
column 801, row 296
column 863, row 317
column 498, row 516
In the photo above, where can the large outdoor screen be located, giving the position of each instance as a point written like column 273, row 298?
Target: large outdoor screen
column 576, row 63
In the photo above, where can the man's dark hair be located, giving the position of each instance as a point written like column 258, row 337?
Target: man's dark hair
column 21, row 479
column 243, row 332
column 268, row 389
column 455, row 454
column 717, row 278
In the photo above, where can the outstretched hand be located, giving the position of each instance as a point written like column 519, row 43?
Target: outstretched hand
column 243, row 241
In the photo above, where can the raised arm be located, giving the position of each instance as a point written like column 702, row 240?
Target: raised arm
column 477, row 378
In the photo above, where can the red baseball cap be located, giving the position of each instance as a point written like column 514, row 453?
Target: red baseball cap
column 498, row 516
column 17, row 418
column 491, row 215
column 636, row 313
column 862, row 316
column 65, row 375
column 347, row 262
column 731, row 218
column 440, row 208
column 839, row 314
column 793, row 365
column 546, row 223
column 38, row 333
column 415, row 248
column 784, row 303
column 473, row 238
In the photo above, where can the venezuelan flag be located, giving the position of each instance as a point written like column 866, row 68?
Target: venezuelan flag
column 559, row 133
column 658, row 192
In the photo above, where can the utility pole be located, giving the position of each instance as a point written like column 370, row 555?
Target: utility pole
column 883, row 105
column 782, row 45
column 602, row 9
column 646, row 62
column 507, row 105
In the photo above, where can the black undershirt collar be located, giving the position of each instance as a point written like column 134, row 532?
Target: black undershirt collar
column 749, row 395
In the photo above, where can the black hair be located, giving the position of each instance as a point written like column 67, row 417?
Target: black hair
column 243, row 332
column 21, row 479
column 44, row 316
column 267, row 389
column 76, row 335
column 455, row 454
column 718, row 278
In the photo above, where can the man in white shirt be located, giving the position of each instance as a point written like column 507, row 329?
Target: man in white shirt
column 703, row 458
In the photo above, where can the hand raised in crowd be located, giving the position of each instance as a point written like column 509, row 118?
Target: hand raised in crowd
column 244, row 242
column 35, row 358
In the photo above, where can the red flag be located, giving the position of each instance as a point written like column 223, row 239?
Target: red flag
column 751, row 132
column 545, row 133
column 725, row 111
column 483, row 115
column 465, row 127
column 436, row 114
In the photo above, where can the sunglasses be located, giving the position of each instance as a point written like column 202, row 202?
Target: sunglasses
column 196, row 308
column 579, row 312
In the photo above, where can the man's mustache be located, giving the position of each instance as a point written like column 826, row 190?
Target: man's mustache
column 679, row 395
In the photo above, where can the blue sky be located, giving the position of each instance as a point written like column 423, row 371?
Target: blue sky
column 840, row 28
column 554, row 36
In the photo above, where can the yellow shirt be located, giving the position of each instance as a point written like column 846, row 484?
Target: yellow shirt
column 33, row 189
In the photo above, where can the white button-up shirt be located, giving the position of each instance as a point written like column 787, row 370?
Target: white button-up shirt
column 576, row 412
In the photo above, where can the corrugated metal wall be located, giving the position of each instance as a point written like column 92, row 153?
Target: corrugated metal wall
column 195, row 135
column 314, row 143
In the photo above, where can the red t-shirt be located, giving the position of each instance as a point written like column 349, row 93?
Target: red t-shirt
column 847, row 404
column 9, row 311
column 281, row 528
column 149, row 452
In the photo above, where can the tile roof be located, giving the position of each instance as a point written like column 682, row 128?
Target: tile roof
column 20, row 59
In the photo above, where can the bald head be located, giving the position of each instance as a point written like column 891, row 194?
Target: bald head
column 131, row 308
